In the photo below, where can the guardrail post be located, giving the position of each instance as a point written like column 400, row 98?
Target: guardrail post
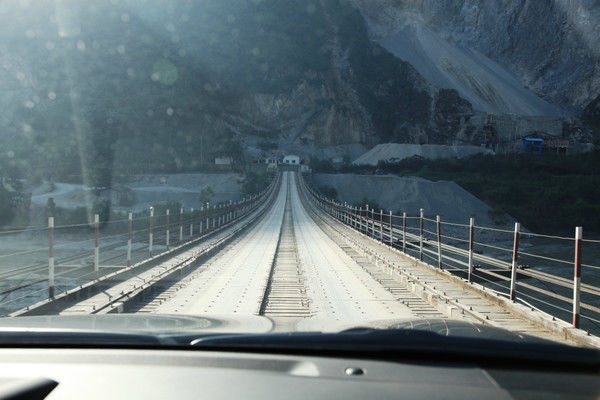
column 439, row 240
column 367, row 220
column 471, row 238
column 207, row 214
column 391, row 230
column 373, row 223
column 360, row 227
column 404, row 232
column 370, row 223
column 349, row 215
column 97, row 244
column 168, row 230
column 577, row 276
column 513, row 272
column 151, row 234
column 181, row 224
column 345, row 213
column 51, row 257
column 129, row 232
column 421, row 235
column 350, row 211
column 381, row 225
column 192, row 222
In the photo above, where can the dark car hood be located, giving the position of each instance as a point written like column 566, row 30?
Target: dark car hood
column 451, row 328
column 164, row 324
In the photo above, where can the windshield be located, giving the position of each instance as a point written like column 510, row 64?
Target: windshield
column 254, row 166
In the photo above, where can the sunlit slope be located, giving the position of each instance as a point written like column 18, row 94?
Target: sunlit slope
column 489, row 86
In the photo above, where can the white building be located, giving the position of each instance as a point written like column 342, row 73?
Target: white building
column 291, row 160
column 272, row 163
column 223, row 161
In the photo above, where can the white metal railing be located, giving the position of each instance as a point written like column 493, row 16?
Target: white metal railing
column 557, row 285
column 81, row 252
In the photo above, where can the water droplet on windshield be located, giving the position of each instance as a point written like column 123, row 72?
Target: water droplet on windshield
column 165, row 72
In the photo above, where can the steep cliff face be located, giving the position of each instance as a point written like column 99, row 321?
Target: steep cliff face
column 516, row 48
column 355, row 92
column 127, row 86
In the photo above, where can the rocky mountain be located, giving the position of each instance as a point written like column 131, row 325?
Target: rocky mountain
column 528, row 57
column 94, row 87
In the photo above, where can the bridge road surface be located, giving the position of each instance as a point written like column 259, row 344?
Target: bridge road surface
column 325, row 286
column 303, row 269
column 307, row 271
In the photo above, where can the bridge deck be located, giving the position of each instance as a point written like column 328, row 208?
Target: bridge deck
column 305, row 270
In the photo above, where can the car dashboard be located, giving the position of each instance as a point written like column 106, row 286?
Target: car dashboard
column 127, row 373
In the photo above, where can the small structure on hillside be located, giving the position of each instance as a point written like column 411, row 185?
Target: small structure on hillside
column 291, row 160
column 272, row 163
column 223, row 163
column 532, row 145
column 223, row 160
column 558, row 146
column 337, row 160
